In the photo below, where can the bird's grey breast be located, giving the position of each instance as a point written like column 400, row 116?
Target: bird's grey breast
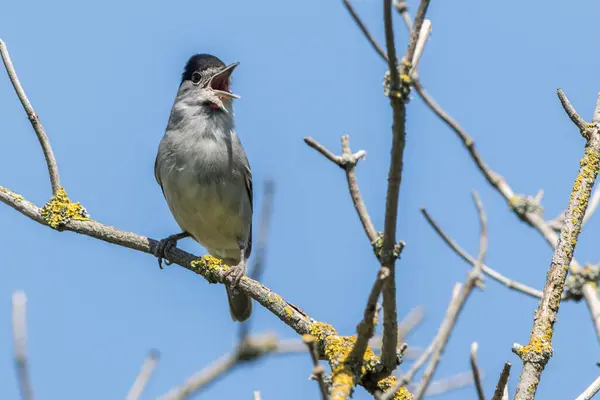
column 201, row 167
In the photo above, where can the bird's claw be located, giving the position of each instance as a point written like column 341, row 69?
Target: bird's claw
column 164, row 245
column 237, row 272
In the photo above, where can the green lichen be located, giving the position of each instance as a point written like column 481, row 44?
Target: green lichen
column 60, row 210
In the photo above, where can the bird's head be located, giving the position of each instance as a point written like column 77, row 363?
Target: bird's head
column 206, row 80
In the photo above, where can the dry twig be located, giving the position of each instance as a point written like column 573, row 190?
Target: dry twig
column 475, row 370
column 502, row 387
column 144, row 376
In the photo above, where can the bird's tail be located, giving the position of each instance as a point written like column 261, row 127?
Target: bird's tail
column 240, row 305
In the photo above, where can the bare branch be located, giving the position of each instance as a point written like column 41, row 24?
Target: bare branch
column 19, row 303
column 482, row 234
column 33, row 118
column 318, row 370
column 475, row 370
column 511, row 284
column 364, row 30
column 347, row 161
column 366, row 328
column 410, row 321
column 536, row 354
column 445, row 385
column 203, row 378
column 253, row 348
column 590, row 391
column 570, row 110
column 455, row 308
column 323, row 150
column 402, row 8
column 501, row 387
column 397, row 101
column 409, row 376
column 423, row 36
column 144, row 376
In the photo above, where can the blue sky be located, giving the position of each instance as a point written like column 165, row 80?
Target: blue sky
column 103, row 75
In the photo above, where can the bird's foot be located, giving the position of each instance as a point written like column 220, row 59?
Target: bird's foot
column 237, row 272
column 165, row 245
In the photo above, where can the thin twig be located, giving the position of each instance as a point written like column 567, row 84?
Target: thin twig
column 590, row 391
column 201, row 379
column 423, row 36
column 537, row 353
column 482, row 234
column 33, row 119
column 318, row 370
column 347, row 161
column 19, row 303
column 366, row 328
column 511, row 284
column 502, row 385
column 410, row 321
column 570, row 110
column 454, row 310
column 445, row 385
column 475, row 370
column 144, row 376
column 364, row 30
column 402, row 8
column 409, row 376
column 253, row 348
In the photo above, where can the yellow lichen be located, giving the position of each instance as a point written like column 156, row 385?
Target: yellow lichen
column 387, row 383
column 60, row 210
column 288, row 311
column 539, row 344
column 346, row 373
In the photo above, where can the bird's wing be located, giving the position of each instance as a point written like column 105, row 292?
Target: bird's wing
column 157, row 176
column 248, row 180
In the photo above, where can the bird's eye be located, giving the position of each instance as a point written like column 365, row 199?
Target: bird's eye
column 196, row 77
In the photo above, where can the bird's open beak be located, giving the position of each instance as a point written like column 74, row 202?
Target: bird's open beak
column 219, row 82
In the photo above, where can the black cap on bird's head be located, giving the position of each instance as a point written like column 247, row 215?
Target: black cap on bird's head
column 209, row 72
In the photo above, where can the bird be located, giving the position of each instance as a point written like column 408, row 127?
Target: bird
column 205, row 175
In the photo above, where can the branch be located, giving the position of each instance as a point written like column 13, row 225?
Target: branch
column 364, row 30
column 501, row 392
column 455, row 308
column 476, row 374
column 511, row 284
column 253, row 348
column 33, row 119
column 409, row 376
column 347, row 161
column 318, row 370
column 366, row 328
column 19, row 302
column 590, row 391
column 536, row 354
column 570, row 110
column 445, row 385
column 142, row 379
column 397, row 95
